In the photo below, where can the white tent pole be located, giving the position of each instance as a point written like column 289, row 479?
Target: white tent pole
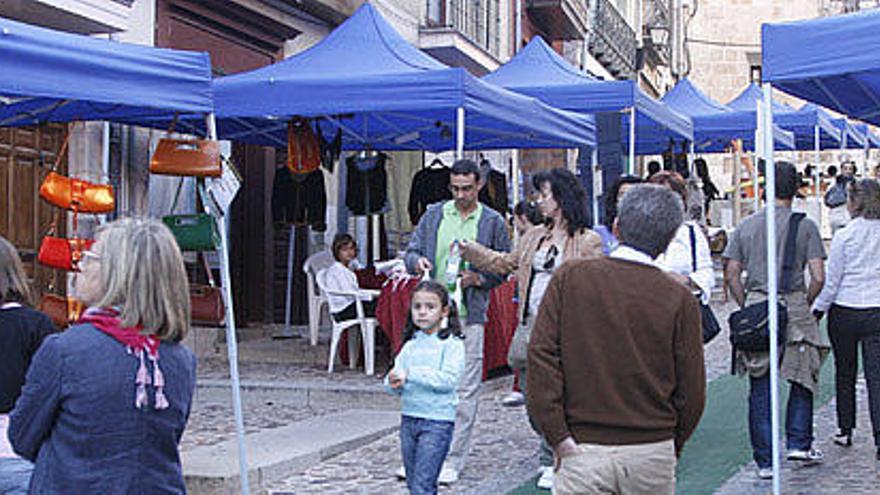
column 291, row 243
column 773, row 296
column 631, row 167
column 459, row 133
column 594, row 164
column 691, row 158
column 817, row 174
column 231, row 344
column 761, row 130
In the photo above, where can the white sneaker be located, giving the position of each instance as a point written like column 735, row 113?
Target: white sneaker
column 400, row 473
column 545, row 482
column 447, row 476
column 812, row 456
column 765, row 473
column 513, row 399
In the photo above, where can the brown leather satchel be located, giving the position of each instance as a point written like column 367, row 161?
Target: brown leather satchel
column 63, row 311
column 206, row 305
column 188, row 157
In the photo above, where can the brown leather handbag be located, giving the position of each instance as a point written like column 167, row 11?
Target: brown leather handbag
column 206, row 301
column 63, row 311
column 188, row 157
column 61, row 253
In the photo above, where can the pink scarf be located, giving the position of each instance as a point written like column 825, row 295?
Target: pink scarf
column 107, row 321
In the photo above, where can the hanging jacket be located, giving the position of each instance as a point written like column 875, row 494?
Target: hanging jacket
column 494, row 191
column 429, row 185
column 303, row 148
column 366, row 182
column 299, row 199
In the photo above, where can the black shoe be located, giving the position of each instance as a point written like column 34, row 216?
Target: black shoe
column 878, row 454
column 843, row 438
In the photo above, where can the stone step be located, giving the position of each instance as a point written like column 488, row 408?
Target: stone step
column 370, row 394
column 280, row 452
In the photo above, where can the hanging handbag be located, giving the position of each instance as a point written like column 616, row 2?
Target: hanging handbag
column 710, row 324
column 63, row 311
column 195, row 231
column 75, row 194
column 206, row 301
column 61, row 253
column 750, row 326
column 187, row 157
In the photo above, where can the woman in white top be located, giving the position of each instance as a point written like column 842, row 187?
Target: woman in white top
column 851, row 295
column 687, row 259
column 340, row 277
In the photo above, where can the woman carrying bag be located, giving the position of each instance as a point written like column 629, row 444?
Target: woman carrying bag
column 540, row 251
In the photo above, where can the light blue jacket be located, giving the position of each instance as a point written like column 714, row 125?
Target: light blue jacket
column 433, row 368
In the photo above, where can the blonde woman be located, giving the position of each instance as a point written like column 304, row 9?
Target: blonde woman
column 22, row 330
column 562, row 201
column 106, row 402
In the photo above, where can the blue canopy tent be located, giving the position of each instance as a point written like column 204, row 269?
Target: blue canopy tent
column 844, row 75
column 386, row 94
column 813, row 128
column 715, row 125
column 873, row 140
column 539, row 71
column 52, row 76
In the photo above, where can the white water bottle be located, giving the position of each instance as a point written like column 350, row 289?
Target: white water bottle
column 453, row 265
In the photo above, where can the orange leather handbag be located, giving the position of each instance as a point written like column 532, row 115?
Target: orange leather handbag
column 63, row 311
column 61, row 253
column 77, row 194
column 188, row 157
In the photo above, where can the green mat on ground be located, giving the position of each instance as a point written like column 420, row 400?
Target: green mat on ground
column 720, row 446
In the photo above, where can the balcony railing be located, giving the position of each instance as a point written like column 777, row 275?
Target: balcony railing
column 612, row 40
column 477, row 20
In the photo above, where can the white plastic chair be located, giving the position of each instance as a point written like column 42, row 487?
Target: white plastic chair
column 316, row 300
column 367, row 326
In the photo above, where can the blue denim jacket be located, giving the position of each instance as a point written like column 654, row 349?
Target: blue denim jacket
column 77, row 421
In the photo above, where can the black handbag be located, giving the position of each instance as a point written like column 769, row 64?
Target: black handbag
column 750, row 326
column 710, row 324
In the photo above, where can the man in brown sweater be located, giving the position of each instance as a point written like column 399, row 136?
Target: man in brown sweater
column 616, row 359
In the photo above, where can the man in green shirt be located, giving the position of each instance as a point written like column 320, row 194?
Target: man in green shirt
column 429, row 250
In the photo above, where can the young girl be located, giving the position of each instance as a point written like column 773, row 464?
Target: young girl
column 426, row 374
column 340, row 276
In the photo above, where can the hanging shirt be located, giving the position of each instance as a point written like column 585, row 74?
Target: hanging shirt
column 454, row 228
column 366, row 184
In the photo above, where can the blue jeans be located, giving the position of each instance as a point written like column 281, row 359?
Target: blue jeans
column 424, row 444
column 798, row 419
column 15, row 476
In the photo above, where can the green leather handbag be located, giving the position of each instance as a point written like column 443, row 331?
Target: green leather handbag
column 195, row 232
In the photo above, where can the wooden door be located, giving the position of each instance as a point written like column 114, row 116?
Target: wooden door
column 26, row 156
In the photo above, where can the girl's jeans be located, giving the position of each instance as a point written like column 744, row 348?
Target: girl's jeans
column 424, row 444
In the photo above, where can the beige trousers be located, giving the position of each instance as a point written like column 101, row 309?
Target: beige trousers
column 618, row 469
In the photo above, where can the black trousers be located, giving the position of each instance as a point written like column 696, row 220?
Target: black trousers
column 350, row 311
column 847, row 327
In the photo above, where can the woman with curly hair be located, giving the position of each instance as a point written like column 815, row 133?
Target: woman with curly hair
column 566, row 236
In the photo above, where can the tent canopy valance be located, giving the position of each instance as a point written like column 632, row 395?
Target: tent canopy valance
column 802, row 123
column 386, row 94
column 715, row 125
column 844, row 75
column 52, row 76
column 540, row 72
